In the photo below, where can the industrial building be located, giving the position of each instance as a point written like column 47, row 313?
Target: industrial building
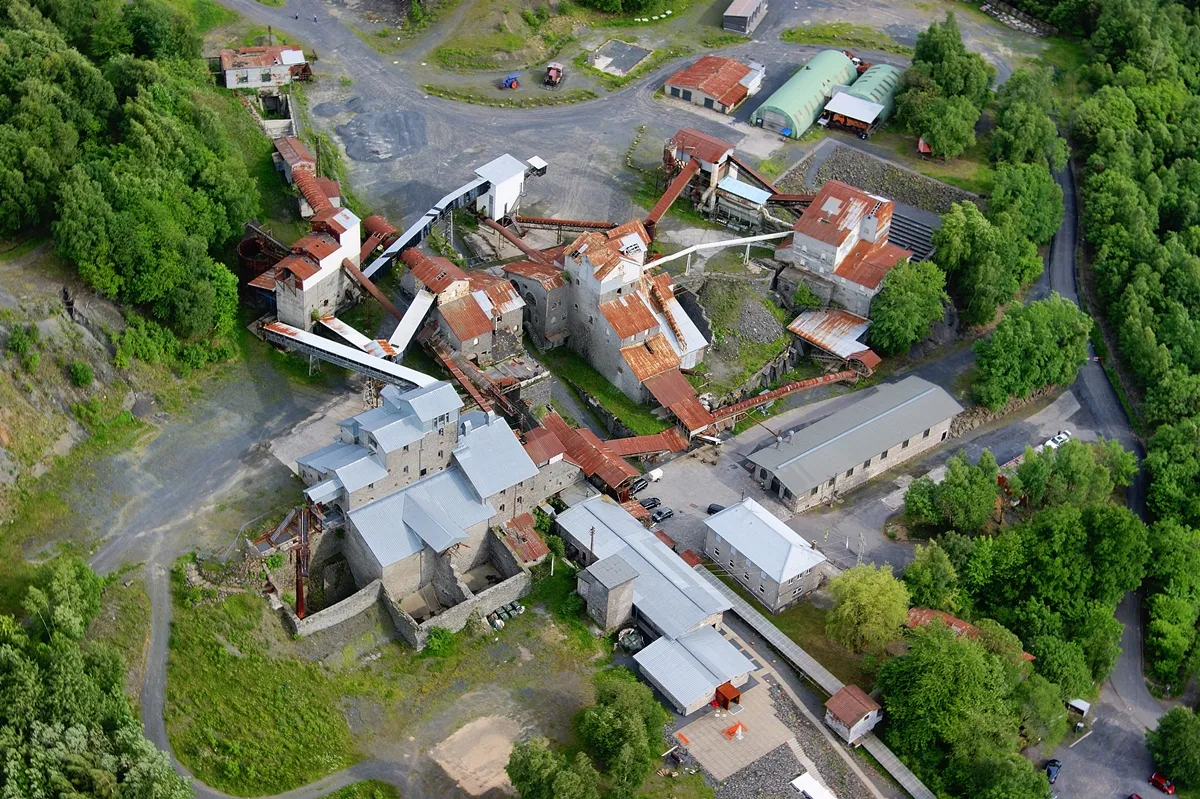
column 771, row 560
column 867, row 104
column 416, row 488
column 795, row 106
column 256, row 67
column 894, row 424
column 632, row 576
column 721, row 84
column 852, row 714
column 840, row 246
column 743, row 16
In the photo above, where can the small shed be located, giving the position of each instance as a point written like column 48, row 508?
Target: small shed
column 851, row 713
column 743, row 16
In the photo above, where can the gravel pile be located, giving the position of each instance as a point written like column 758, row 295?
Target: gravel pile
column 768, row 777
column 757, row 323
column 795, row 180
column 879, row 177
column 834, row 771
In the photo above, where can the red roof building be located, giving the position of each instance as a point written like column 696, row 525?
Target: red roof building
column 714, row 82
column 433, row 272
column 690, row 143
column 920, row 617
column 591, row 454
column 465, row 319
column 543, row 447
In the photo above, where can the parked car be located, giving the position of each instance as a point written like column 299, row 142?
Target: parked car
column 662, row 514
column 1052, row 769
column 638, row 485
column 1135, row 796
column 715, row 508
column 1058, row 440
column 650, row 503
column 1162, row 783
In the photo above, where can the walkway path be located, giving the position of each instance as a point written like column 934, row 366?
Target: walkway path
column 818, row 674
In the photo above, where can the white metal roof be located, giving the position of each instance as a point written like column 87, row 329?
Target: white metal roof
column 352, row 465
column 291, row 56
column 490, row 454
column 536, row 163
column 407, row 328
column 691, row 667
column 427, row 402
column 808, row 787
column 854, row 107
column 744, row 190
column 501, row 169
column 769, row 544
column 667, row 591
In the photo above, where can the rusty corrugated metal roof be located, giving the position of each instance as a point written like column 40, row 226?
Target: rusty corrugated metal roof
column 523, row 539
column 628, row 316
column 300, row 266
column 550, row 277
column 719, row 78
column 651, row 357
column 259, row 56
column 837, row 211
column 669, row 440
column 434, row 272
column 919, row 617
column 465, row 318
column 591, row 455
column 635, row 509
column 701, row 146
column 867, row 264
column 542, row 446
column 316, row 245
column 833, row 330
column 498, row 292
column 306, row 182
column 294, row 153
column 669, row 388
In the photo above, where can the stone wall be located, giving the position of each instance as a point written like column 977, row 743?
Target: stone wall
column 502, row 558
column 483, row 603
column 406, row 626
column 447, row 582
column 336, row 614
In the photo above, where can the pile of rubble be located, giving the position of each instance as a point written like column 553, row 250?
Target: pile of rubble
column 980, row 415
column 878, row 176
column 756, row 323
column 833, row 770
column 770, row 775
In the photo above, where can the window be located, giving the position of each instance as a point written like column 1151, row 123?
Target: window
column 731, row 563
column 850, row 472
column 520, row 500
column 762, row 473
column 423, row 471
column 243, row 77
column 716, row 550
column 883, row 454
column 502, row 507
column 831, row 482
column 762, row 589
column 926, row 434
column 406, row 447
column 904, row 444
column 866, row 463
column 814, row 491
column 944, row 435
column 406, row 470
column 265, row 77
column 674, row 91
column 440, row 453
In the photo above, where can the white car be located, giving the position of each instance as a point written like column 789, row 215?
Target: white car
column 1057, row 441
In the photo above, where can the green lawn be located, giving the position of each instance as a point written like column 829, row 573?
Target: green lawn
column 569, row 366
column 971, row 171
column 685, row 786
column 368, row 789
column 844, row 34
column 124, row 622
column 805, row 625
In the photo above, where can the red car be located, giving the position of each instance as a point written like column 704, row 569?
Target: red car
column 1163, row 784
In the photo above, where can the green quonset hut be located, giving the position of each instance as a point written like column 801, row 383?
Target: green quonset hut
column 878, row 85
column 794, row 106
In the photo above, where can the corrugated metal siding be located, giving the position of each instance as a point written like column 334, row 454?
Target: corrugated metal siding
column 801, row 99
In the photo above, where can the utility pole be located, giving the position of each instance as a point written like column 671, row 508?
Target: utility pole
column 592, row 545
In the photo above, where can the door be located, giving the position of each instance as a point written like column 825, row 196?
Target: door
column 708, row 103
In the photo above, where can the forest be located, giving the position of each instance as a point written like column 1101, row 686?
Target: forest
column 104, row 146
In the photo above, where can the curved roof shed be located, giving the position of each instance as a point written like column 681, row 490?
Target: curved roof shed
column 878, row 85
column 795, row 105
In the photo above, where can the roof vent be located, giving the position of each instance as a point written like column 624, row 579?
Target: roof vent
column 466, row 427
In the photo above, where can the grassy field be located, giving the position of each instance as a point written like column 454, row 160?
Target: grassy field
column 971, row 171
column 685, row 786
column 569, row 366
column 501, row 99
column 368, row 789
column 124, row 622
column 251, row 711
column 206, row 13
column 805, row 625
column 845, row 34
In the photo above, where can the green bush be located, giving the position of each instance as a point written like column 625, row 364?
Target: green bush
column 440, row 643
column 81, row 373
column 803, row 298
column 23, row 338
column 30, row 361
column 275, row 560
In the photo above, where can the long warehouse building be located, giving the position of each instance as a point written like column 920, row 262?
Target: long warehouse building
column 795, row 106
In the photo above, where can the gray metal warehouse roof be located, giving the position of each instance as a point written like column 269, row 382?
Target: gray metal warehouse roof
column 612, row 571
column 490, row 454
column 831, row 446
column 766, row 542
column 667, row 591
column 692, row 666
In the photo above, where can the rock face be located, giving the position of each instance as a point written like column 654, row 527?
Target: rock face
column 875, row 175
column 757, row 323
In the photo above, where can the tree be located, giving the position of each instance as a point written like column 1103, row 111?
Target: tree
column 160, row 32
column 967, row 494
column 1175, row 746
column 907, row 305
column 1099, row 635
column 945, row 695
column 68, row 729
column 986, row 262
column 1040, row 344
column 940, row 55
column 532, row 768
column 577, row 781
column 1024, row 132
column 1043, row 714
column 947, row 124
column 1004, row 776
column 1063, row 662
column 931, row 579
column 1029, row 193
column 871, row 607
